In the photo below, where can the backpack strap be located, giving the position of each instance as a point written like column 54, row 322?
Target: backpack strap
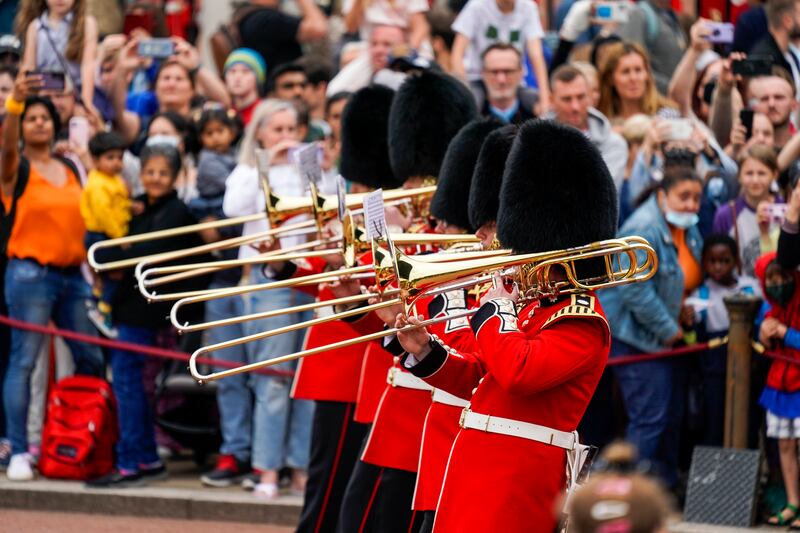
column 7, row 222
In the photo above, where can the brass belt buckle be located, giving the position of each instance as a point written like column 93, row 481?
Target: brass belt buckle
column 463, row 417
column 390, row 377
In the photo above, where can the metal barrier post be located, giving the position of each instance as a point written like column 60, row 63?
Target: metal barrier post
column 742, row 310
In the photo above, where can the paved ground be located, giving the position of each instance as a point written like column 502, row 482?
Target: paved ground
column 43, row 521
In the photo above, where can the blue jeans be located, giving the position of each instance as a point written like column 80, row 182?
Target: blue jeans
column 281, row 425
column 234, row 399
column 37, row 294
column 654, row 395
column 137, row 440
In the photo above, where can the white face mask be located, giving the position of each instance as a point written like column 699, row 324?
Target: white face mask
column 170, row 140
column 680, row 219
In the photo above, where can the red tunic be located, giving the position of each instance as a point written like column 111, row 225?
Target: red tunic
column 441, row 423
column 332, row 375
column 541, row 368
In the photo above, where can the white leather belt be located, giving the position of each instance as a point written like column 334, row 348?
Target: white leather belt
column 398, row 378
column 526, row 430
column 440, row 396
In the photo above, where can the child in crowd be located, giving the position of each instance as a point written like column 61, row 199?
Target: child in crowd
column 747, row 219
column 60, row 36
column 780, row 332
column 219, row 130
column 106, row 210
column 720, row 261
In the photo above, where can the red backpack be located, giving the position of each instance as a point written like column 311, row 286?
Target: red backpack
column 80, row 429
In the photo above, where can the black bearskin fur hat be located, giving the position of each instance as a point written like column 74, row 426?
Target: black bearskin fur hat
column 557, row 192
column 365, row 131
column 451, row 201
column 484, row 193
column 427, row 112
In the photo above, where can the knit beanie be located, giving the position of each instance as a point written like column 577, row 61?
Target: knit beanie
column 249, row 58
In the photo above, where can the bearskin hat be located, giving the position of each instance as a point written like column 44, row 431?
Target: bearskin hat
column 365, row 130
column 484, row 193
column 451, row 201
column 557, row 191
column 428, row 110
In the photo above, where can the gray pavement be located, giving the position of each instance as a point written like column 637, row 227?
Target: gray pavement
column 47, row 521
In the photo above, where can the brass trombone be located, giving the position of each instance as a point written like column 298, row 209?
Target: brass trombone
column 279, row 209
column 416, row 278
column 352, row 245
column 405, row 239
column 387, row 276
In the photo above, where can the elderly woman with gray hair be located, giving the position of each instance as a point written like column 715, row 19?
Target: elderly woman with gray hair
column 281, row 426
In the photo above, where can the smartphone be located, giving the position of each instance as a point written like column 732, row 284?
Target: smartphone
column 680, row 129
column 720, row 32
column 612, row 11
column 777, row 212
column 156, row 48
column 51, row 80
column 752, row 66
column 79, row 132
column 746, row 116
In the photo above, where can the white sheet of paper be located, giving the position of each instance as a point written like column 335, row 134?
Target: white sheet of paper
column 374, row 216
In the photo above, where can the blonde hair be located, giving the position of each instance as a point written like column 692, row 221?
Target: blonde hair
column 30, row 10
column 610, row 104
column 262, row 114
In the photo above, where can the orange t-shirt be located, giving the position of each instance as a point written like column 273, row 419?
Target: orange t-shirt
column 692, row 273
column 48, row 226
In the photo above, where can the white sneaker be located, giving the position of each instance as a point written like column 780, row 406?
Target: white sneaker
column 19, row 469
column 266, row 491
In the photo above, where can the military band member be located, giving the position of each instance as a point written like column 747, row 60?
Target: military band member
column 538, row 362
column 427, row 112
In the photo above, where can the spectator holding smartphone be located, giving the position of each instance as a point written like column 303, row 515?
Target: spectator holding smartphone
column 45, row 250
column 60, row 36
column 761, row 132
column 747, row 218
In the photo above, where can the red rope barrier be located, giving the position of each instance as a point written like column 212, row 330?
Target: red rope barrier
column 663, row 354
column 150, row 351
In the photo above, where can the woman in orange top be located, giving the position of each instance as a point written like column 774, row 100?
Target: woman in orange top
column 45, row 250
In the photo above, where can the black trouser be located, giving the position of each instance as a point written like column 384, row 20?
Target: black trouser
column 427, row 521
column 335, row 445
column 379, row 500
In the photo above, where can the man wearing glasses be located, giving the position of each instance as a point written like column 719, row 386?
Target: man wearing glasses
column 500, row 93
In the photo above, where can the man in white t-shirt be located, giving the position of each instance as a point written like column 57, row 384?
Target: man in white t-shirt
column 363, row 15
column 359, row 72
column 484, row 22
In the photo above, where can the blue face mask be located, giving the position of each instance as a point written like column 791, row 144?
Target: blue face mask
column 680, row 219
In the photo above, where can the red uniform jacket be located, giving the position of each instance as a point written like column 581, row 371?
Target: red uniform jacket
column 541, row 367
column 332, row 375
column 441, row 423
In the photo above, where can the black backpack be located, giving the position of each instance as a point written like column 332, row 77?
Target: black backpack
column 23, row 174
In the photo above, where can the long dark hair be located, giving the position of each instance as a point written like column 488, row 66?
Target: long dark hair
column 51, row 110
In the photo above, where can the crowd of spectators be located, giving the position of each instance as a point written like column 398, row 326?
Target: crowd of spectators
column 103, row 137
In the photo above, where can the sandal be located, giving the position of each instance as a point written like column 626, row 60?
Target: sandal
column 780, row 519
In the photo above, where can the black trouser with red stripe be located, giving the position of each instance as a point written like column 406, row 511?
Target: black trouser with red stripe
column 335, row 447
column 378, row 500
